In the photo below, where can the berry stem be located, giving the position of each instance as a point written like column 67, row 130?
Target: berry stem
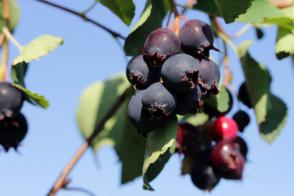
column 4, row 61
column 11, row 38
column 222, row 34
column 6, row 11
column 62, row 180
column 84, row 17
column 174, row 8
column 5, row 50
column 282, row 3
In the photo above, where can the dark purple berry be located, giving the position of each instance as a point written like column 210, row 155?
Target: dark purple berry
column 180, row 73
column 242, row 146
column 189, row 103
column 196, row 38
column 11, row 99
column 160, row 45
column 242, row 119
column 209, row 76
column 227, row 160
column 139, row 74
column 12, row 131
column 243, row 95
column 140, row 118
column 203, row 176
column 158, row 101
column 191, row 141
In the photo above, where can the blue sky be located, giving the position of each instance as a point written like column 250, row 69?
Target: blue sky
column 88, row 55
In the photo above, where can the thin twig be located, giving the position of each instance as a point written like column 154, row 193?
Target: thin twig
column 84, row 17
column 6, row 10
column 62, row 180
column 82, row 190
column 90, row 8
column 11, row 38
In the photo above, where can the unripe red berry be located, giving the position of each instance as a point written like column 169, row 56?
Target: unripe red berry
column 224, row 128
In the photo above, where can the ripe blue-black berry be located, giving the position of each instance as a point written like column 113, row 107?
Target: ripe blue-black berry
column 196, row 38
column 209, row 76
column 243, row 95
column 139, row 74
column 158, row 101
column 11, row 99
column 189, row 103
column 203, row 175
column 12, row 131
column 160, row 45
column 242, row 119
column 140, row 118
column 180, row 73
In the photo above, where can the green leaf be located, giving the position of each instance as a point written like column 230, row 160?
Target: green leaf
column 284, row 43
column 18, row 73
column 39, row 47
column 270, row 111
column 196, row 120
column 275, row 119
column 159, row 148
column 231, row 9
column 34, row 98
column 124, row 9
column 150, row 19
column 118, row 132
column 262, row 11
column 208, row 6
column 258, row 91
column 221, row 101
column 258, row 11
column 14, row 15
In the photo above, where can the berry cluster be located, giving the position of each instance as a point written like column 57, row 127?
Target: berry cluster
column 172, row 75
column 13, row 124
column 215, row 150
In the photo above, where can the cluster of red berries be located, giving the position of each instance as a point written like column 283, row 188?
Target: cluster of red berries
column 172, row 75
column 13, row 124
column 215, row 151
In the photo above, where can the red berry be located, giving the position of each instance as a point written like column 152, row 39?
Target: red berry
column 227, row 160
column 224, row 128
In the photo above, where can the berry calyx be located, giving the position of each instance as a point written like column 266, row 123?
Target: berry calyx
column 224, row 128
column 160, row 44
